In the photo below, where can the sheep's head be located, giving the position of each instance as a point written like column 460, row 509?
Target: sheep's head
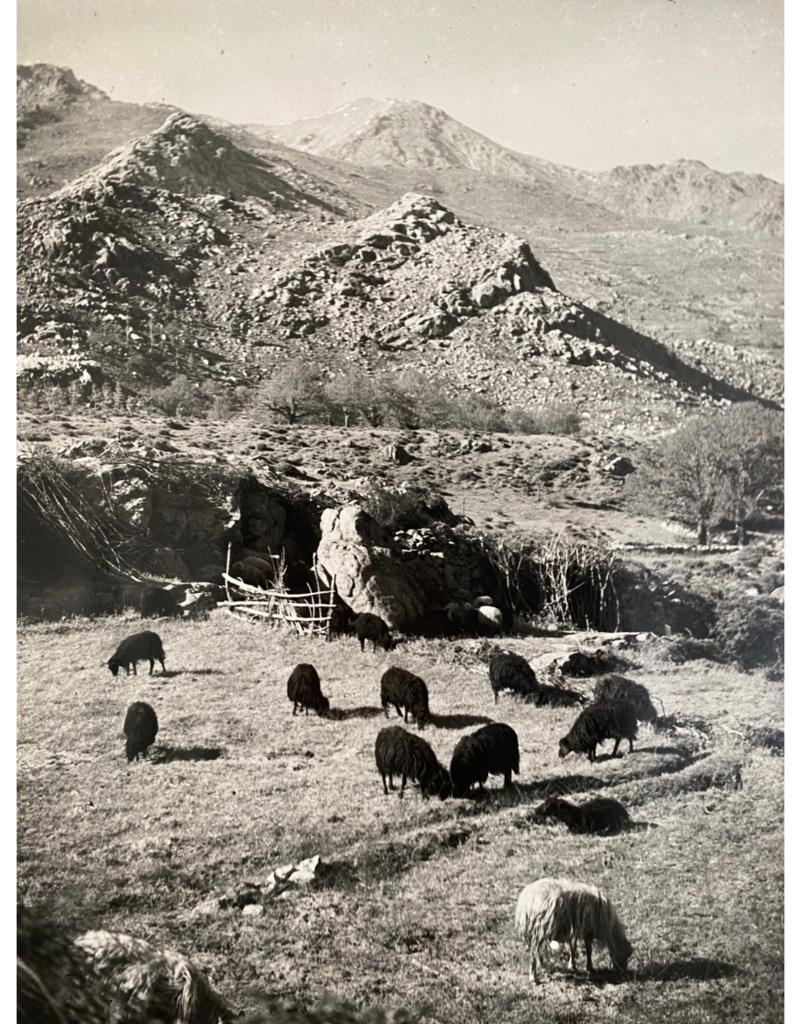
column 621, row 954
column 564, row 747
column 439, row 784
column 114, row 665
column 324, row 707
column 549, row 809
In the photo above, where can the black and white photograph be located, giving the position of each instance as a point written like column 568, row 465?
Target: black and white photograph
column 399, row 478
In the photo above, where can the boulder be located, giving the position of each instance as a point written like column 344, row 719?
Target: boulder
column 491, row 619
column 397, row 453
column 359, row 556
column 620, row 466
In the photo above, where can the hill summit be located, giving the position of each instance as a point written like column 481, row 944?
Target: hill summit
column 45, row 85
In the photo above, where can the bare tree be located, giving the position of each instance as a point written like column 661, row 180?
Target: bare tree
column 294, row 391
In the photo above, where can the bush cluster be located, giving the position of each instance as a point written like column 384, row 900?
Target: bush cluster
column 749, row 632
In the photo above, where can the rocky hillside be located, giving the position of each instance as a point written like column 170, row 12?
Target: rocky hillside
column 396, row 133
column 689, row 192
column 195, row 249
column 672, row 281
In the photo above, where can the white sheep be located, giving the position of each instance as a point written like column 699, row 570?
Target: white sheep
column 160, row 984
column 556, row 910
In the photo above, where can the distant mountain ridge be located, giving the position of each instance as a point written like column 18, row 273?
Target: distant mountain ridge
column 399, row 133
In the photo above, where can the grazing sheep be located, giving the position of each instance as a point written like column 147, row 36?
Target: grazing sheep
column 372, row 627
column 141, row 727
column 491, row 750
column 249, row 574
column 398, row 752
column 161, row 985
column 303, row 689
column 145, row 646
column 556, row 697
column 341, row 623
column 404, row 689
column 509, row 671
column 559, row 910
column 55, row 981
column 615, row 687
column 599, row 722
column 156, row 601
column 595, row 816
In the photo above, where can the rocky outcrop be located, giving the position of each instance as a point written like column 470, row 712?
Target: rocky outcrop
column 359, row 557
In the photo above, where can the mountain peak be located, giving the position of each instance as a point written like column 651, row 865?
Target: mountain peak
column 46, row 85
column 186, row 155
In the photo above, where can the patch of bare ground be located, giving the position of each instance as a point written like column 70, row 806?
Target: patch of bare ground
column 416, row 911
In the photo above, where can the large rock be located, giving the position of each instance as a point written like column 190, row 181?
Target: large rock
column 359, row 556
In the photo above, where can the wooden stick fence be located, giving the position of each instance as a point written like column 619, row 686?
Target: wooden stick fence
column 308, row 613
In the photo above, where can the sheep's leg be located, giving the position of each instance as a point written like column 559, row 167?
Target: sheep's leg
column 616, row 747
column 591, row 754
column 361, row 642
column 294, row 709
column 391, row 781
column 385, row 790
column 536, row 965
column 134, row 669
column 405, row 714
column 589, row 967
column 495, row 696
column 630, row 751
column 163, row 666
column 152, row 665
column 573, row 950
column 507, row 779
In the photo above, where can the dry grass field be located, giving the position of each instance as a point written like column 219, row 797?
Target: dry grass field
column 416, row 910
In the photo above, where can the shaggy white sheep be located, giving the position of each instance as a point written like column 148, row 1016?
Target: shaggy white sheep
column 160, row 984
column 556, row 910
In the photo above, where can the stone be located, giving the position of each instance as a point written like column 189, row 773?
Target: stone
column 252, row 910
column 491, row 616
column 360, row 557
column 209, row 907
column 620, row 466
column 397, row 453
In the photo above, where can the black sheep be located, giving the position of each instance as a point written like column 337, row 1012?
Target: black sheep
column 616, row 687
column 509, row 671
column 402, row 753
column 303, row 689
column 555, row 697
column 491, row 750
column 249, row 574
column 145, row 646
column 595, row 816
column 141, row 726
column 599, row 722
column 156, row 601
column 372, row 627
column 340, row 622
column 405, row 690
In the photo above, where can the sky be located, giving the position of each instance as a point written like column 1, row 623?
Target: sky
column 588, row 83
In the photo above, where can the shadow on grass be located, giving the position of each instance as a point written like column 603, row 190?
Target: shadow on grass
column 687, row 970
column 497, row 797
column 172, row 673
column 166, row 755
column 345, row 714
column 458, row 721
column 665, row 750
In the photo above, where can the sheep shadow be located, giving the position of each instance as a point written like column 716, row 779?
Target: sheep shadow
column 665, row 750
column 458, row 721
column 345, row 714
column 172, row 673
column 701, row 969
column 166, row 755
column 496, row 797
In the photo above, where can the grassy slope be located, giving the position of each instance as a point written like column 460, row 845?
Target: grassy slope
column 425, row 918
